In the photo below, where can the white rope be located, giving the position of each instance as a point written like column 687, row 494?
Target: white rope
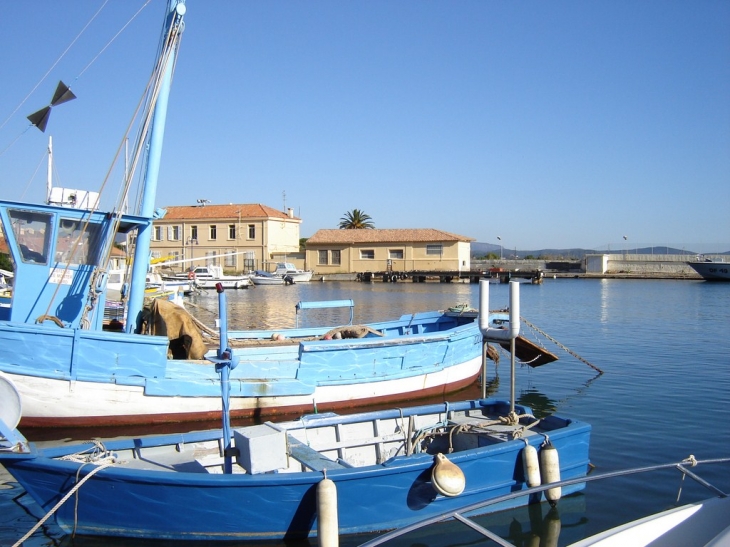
column 60, row 503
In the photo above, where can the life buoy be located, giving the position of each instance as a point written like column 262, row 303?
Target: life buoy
column 191, row 275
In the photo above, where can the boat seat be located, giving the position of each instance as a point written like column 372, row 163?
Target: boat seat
column 310, row 457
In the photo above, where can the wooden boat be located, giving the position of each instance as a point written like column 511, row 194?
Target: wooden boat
column 71, row 371
column 377, row 470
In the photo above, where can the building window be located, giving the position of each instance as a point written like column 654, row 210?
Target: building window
column 251, row 231
column 231, row 231
column 336, row 257
column 396, row 254
column 213, row 232
column 367, row 254
column 322, row 258
column 174, row 233
column 158, row 233
column 194, row 233
column 436, row 249
column 230, row 259
column 211, row 258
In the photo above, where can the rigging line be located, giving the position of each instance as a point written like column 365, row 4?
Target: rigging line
column 15, row 139
column 571, row 352
column 54, row 64
column 43, row 157
column 112, row 40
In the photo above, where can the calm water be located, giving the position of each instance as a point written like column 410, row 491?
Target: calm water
column 664, row 347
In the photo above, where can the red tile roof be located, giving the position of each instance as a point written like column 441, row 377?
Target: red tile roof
column 405, row 235
column 248, row 210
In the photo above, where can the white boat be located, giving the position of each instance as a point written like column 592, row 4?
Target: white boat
column 260, row 277
column 698, row 524
column 207, row 277
column 285, row 269
column 712, row 270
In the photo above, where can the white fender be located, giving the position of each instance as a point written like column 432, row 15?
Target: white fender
column 531, row 466
column 550, row 470
column 327, row 520
column 446, row 477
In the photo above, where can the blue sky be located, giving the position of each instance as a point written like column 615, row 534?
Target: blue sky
column 549, row 124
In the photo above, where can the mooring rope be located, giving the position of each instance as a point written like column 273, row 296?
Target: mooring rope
column 546, row 335
column 60, row 503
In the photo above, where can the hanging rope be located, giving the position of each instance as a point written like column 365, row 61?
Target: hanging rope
column 571, row 352
column 60, row 503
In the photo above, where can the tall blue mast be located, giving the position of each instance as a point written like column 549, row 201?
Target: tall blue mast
column 166, row 64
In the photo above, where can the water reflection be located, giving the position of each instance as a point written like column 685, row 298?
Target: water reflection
column 540, row 404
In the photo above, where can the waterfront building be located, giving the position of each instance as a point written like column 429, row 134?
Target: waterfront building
column 380, row 250
column 237, row 237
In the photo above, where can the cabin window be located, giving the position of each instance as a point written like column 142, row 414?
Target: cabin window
column 77, row 242
column 157, row 235
column 367, row 254
column 251, row 231
column 322, row 258
column 435, row 249
column 32, row 233
column 194, row 233
column 396, row 254
column 231, row 231
column 213, row 232
column 336, row 257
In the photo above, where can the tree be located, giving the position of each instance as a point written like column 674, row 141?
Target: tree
column 356, row 220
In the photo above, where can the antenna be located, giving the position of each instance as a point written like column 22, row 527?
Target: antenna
column 283, row 197
column 202, row 202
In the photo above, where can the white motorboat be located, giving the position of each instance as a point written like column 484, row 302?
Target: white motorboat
column 260, row 277
column 207, row 277
column 285, row 269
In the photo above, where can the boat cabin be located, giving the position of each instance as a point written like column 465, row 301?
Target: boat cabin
column 59, row 256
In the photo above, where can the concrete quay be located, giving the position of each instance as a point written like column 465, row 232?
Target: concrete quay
column 609, row 266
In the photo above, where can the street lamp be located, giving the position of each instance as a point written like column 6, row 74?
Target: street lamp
column 500, row 247
column 626, row 238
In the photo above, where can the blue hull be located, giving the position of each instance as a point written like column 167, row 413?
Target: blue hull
column 175, row 504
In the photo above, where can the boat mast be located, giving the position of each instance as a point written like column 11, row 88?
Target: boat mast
column 49, row 176
column 166, row 55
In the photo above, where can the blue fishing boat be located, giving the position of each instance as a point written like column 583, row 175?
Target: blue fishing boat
column 322, row 475
column 72, row 371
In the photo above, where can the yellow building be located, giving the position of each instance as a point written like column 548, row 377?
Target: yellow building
column 239, row 237
column 397, row 250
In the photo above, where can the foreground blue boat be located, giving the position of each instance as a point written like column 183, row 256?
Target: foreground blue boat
column 383, row 467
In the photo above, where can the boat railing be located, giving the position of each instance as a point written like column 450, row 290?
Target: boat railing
column 322, row 304
column 458, row 514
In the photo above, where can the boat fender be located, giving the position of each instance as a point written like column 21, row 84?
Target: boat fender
column 531, row 465
column 550, row 471
column 327, row 520
column 446, row 477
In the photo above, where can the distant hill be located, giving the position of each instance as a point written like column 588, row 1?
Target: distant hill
column 483, row 249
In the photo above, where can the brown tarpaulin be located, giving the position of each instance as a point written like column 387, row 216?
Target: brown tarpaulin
column 167, row 319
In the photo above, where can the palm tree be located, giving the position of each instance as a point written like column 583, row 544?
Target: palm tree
column 356, row 220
